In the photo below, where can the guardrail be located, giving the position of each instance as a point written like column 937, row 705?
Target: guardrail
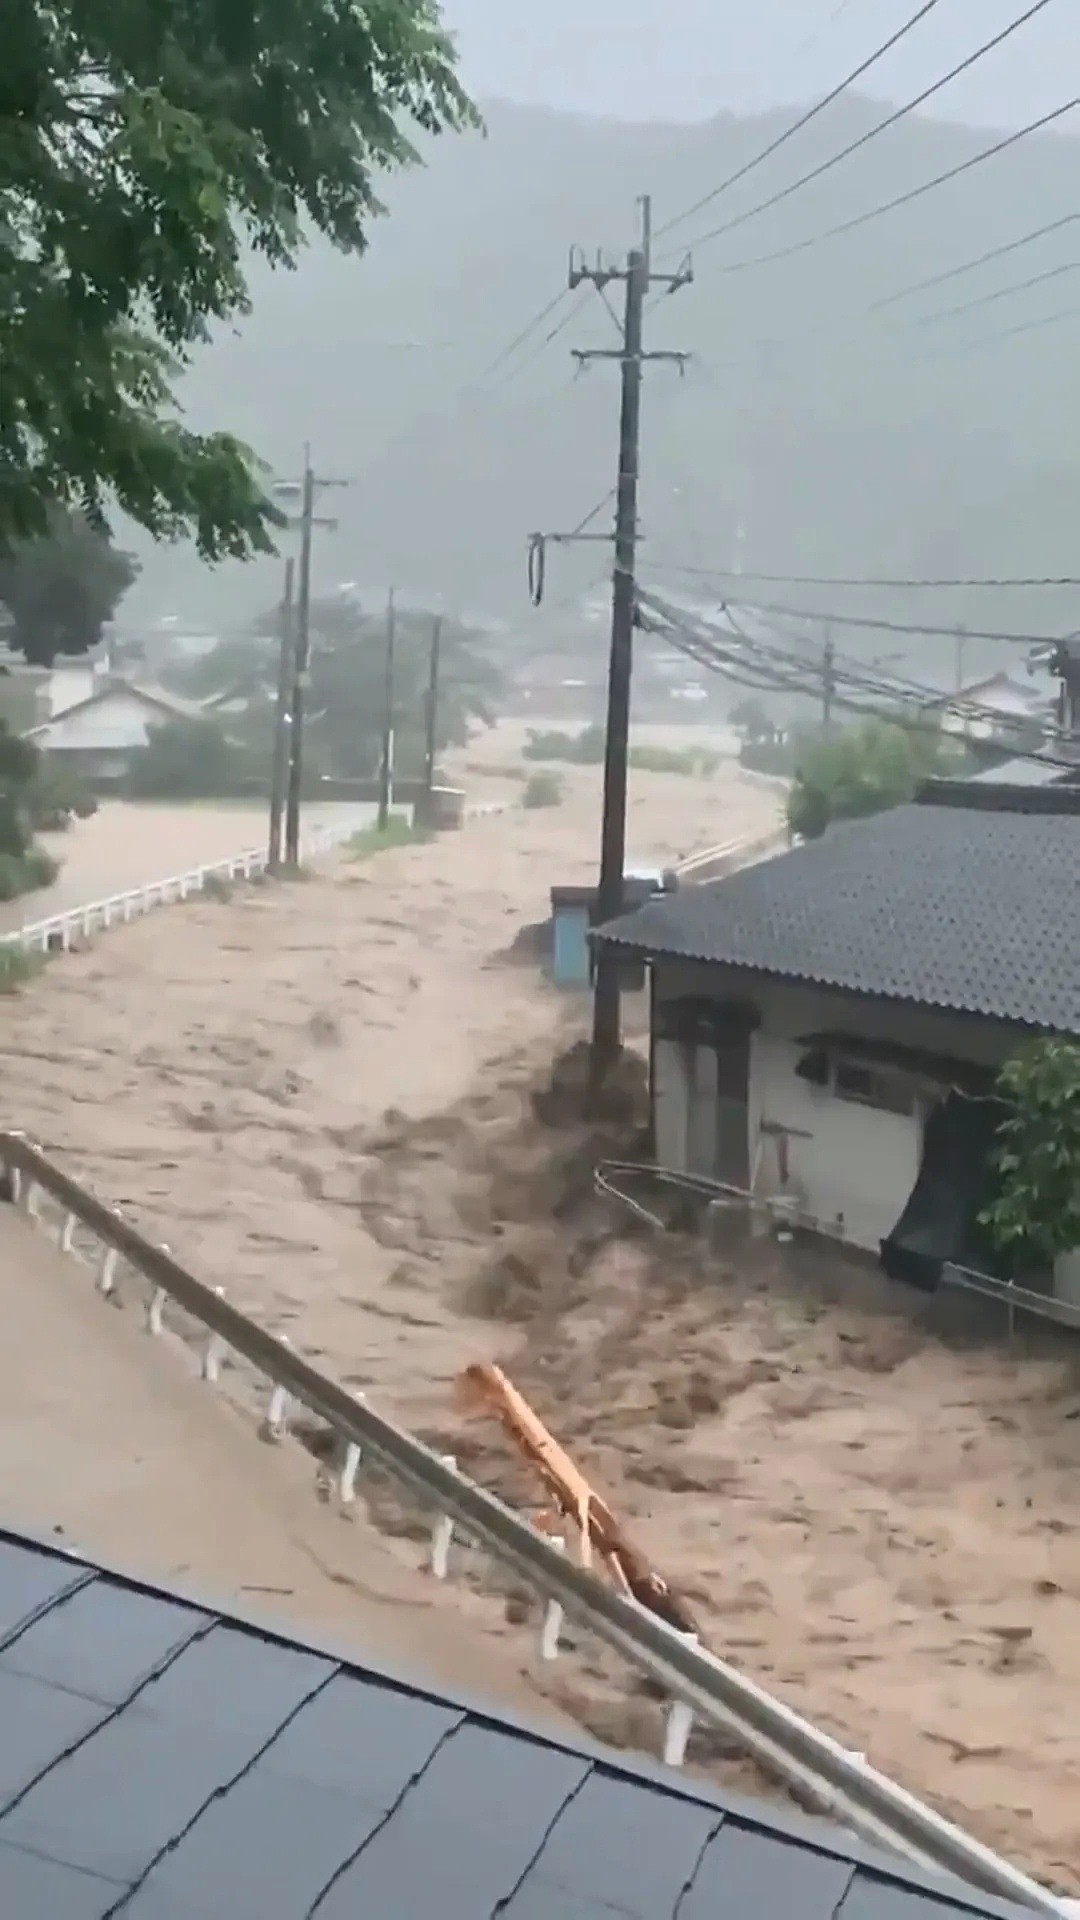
column 698, row 1684
column 60, row 929
column 713, row 862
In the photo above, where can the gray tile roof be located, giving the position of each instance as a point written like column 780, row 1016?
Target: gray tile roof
column 162, row 1760
column 968, row 899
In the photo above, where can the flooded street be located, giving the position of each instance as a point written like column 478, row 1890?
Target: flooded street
column 127, row 845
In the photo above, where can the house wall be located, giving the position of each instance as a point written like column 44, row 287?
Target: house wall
column 851, row 1166
column 68, row 684
column 118, row 724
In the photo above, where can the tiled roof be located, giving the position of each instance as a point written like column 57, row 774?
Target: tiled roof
column 968, row 899
column 161, row 1760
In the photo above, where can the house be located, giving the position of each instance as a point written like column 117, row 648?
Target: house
column 999, row 704
column 827, row 1025
column 168, row 1760
column 31, row 694
column 98, row 735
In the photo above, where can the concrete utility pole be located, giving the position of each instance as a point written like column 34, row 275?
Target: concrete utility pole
column 961, row 649
column 638, row 276
column 828, row 681
column 386, row 762
column 280, row 763
column 307, row 521
column 431, row 713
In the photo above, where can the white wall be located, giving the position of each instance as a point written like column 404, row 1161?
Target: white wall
column 68, row 685
column 121, row 722
column 852, row 1167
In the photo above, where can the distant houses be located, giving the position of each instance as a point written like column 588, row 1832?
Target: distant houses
column 97, row 735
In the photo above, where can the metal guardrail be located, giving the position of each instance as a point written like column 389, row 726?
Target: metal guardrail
column 712, row 862
column 1016, row 1299
column 59, row 929
column 821, row 1771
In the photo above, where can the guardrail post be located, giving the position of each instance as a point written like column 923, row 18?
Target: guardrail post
column 553, row 1614
column 214, row 1351
column 276, row 1425
column 16, row 1178
column 31, row 1199
column 349, row 1468
column 680, row 1719
column 67, row 1233
column 106, row 1279
column 442, row 1533
column 155, row 1311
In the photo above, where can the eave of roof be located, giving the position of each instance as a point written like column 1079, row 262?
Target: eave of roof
column 967, row 901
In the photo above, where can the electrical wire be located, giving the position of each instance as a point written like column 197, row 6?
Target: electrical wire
column 892, row 119
column 998, row 293
column 520, row 339
column 904, row 199
column 875, row 624
column 969, row 266
column 797, row 126
column 851, row 580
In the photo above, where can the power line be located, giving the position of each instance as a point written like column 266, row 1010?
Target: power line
column 854, row 146
column 798, row 125
column 850, row 580
column 871, row 623
column 998, row 293
column 507, row 353
column 969, row 266
column 904, row 199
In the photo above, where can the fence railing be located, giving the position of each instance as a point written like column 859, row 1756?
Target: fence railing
column 713, row 862
column 60, row 930
column 697, row 1684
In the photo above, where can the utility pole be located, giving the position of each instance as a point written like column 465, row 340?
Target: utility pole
column 308, row 520
column 637, row 275
column 961, row 648
column 386, row 763
column 431, row 714
column 280, row 762
column 828, row 681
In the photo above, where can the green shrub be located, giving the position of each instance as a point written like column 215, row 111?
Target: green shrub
column 584, row 749
column 542, row 790
column 398, row 832
column 17, row 966
column 695, row 761
column 23, row 872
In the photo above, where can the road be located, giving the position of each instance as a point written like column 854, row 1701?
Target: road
column 110, row 1439
column 126, row 846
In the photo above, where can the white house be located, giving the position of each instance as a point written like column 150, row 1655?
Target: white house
column 827, row 1025
column 98, row 734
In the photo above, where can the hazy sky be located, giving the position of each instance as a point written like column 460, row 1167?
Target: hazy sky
column 687, row 59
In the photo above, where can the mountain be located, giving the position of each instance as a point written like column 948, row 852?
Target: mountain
column 842, row 441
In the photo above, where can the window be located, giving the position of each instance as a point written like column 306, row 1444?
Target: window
column 873, row 1087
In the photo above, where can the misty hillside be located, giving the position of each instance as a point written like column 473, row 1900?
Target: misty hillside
column 846, row 442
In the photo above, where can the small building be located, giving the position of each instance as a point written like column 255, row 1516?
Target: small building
column 169, row 1760
column 827, row 1026
column 98, row 735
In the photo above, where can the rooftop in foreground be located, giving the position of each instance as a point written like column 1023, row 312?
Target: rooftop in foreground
column 968, row 899
column 163, row 1760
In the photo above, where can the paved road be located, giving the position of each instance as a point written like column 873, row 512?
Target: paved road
column 129, row 846
column 110, row 1438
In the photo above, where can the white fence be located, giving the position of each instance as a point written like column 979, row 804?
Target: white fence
column 60, row 930
column 698, row 1684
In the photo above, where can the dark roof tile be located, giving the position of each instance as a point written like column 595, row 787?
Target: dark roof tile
column 263, row 1780
column 973, row 908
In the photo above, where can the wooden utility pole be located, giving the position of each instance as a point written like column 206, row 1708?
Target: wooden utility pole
column 308, row 520
column 638, row 277
column 431, row 714
column 386, row 762
column 282, row 715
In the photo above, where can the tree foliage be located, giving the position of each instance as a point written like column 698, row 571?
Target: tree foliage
column 143, row 147
column 863, row 769
column 347, row 686
column 186, row 759
column 1036, row 1210
column 62, row 587
column 749, row 718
